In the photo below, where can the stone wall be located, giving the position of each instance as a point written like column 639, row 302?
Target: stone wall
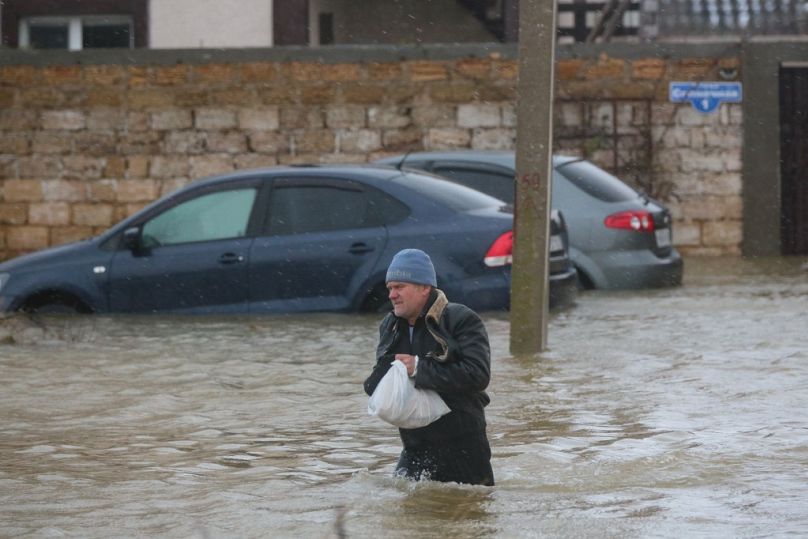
column 87, row 140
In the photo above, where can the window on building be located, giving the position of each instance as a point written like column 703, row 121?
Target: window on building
column 76, row 33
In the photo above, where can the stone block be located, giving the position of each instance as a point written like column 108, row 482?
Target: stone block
column 210, row 165
column 171, row 119
column 114, row 167
column 313, row 141
column 169, row 186
column 435, row 116
column 17, row 120
column 137, row 122
column 104, row 75
column 479, row 115
column 103, row 190
column 447, row 138
column 364, row 93
column 211, row 74
column 358, row 141
column 22, row 191
column 64, row 190
column 39, row 98
column 17, row 143
column 135, row 143
column 137, row 166
column 170, row 75
column 702, row 161
column 493, row 139
column 149, row 98
column 569, row 114
column 106, row 119
column 185, row 142
column 82, row 167
column 506, row 69
column 255, row 160
column 59, row 75
column 95, row 143
column 456, row 92
column 227, row 142
column 214, row 118
column 278, row 95
column 49, row 213
column 389, row 117
column 426, row 71
column 345, row 116
column 293, row 117
column 269, row 142
column 568, row 69
column 259, row 119
column 20, row 75
column 259, row 72
column 401, row 140
column 27, row 238
column 384, row 71
column 648, row 68
column 686, row 233
column 169, row 166
column 98, row 215
column 130, row 191
column 509, row 115
column 101, row 97
column 721, row 233
column 303, row 71
column 69, row 120
column 712, row 208
column 13, row 213
column 317, row 94
column 340, row 72
column 68, row 234
column 473, row 68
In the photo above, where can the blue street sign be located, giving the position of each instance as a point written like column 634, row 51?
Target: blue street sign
column 705, row 96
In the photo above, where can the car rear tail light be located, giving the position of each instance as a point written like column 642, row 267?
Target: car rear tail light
column 501, row 251
column 639, row 221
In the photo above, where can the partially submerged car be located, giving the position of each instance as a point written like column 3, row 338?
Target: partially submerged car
column 283, row 240
column 619, row 238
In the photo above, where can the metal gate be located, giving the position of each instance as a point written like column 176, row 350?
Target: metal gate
column 794, row 160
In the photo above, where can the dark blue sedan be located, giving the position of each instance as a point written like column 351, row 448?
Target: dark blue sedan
column 281, row 240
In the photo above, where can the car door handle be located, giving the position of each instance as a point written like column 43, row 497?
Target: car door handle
column 230, row 258
column 360, row 248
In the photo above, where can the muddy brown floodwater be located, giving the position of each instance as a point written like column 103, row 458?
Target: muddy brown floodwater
column 665, row 413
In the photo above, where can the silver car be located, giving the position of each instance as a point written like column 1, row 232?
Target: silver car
column 619, row 238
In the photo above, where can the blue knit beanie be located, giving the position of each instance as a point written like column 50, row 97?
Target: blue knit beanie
column 412, row 266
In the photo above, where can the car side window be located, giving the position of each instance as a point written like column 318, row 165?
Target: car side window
column 491, row 183
column 298, row 209
column 214, row 216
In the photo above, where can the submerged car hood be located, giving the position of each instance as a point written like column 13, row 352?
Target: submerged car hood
column 46, row 256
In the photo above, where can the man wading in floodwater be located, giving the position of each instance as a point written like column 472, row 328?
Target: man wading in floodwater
column 445, row 348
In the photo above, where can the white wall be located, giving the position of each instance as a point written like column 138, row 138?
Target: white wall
column 183, row 24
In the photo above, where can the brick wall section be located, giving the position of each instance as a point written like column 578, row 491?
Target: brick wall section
column 83, row 146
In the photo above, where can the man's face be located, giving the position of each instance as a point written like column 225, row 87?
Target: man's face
column 408, row 299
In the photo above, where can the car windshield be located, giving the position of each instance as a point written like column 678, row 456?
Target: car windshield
column 596, row 182
column 455, row 196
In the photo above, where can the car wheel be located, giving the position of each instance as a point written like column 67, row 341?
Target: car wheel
column 582, row 281
column 55, row 308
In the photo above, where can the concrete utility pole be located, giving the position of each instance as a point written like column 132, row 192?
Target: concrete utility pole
column 534, row 147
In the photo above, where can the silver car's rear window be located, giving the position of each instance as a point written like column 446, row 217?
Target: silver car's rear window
column 456, row 196
column 596, row 182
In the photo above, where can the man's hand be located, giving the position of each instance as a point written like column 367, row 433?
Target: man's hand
column 408, row 361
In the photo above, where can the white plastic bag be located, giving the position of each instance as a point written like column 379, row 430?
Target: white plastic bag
column 397, row 400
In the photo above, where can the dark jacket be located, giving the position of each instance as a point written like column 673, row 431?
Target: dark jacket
column 453, row 353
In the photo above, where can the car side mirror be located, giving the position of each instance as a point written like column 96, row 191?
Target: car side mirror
column 131, row 239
